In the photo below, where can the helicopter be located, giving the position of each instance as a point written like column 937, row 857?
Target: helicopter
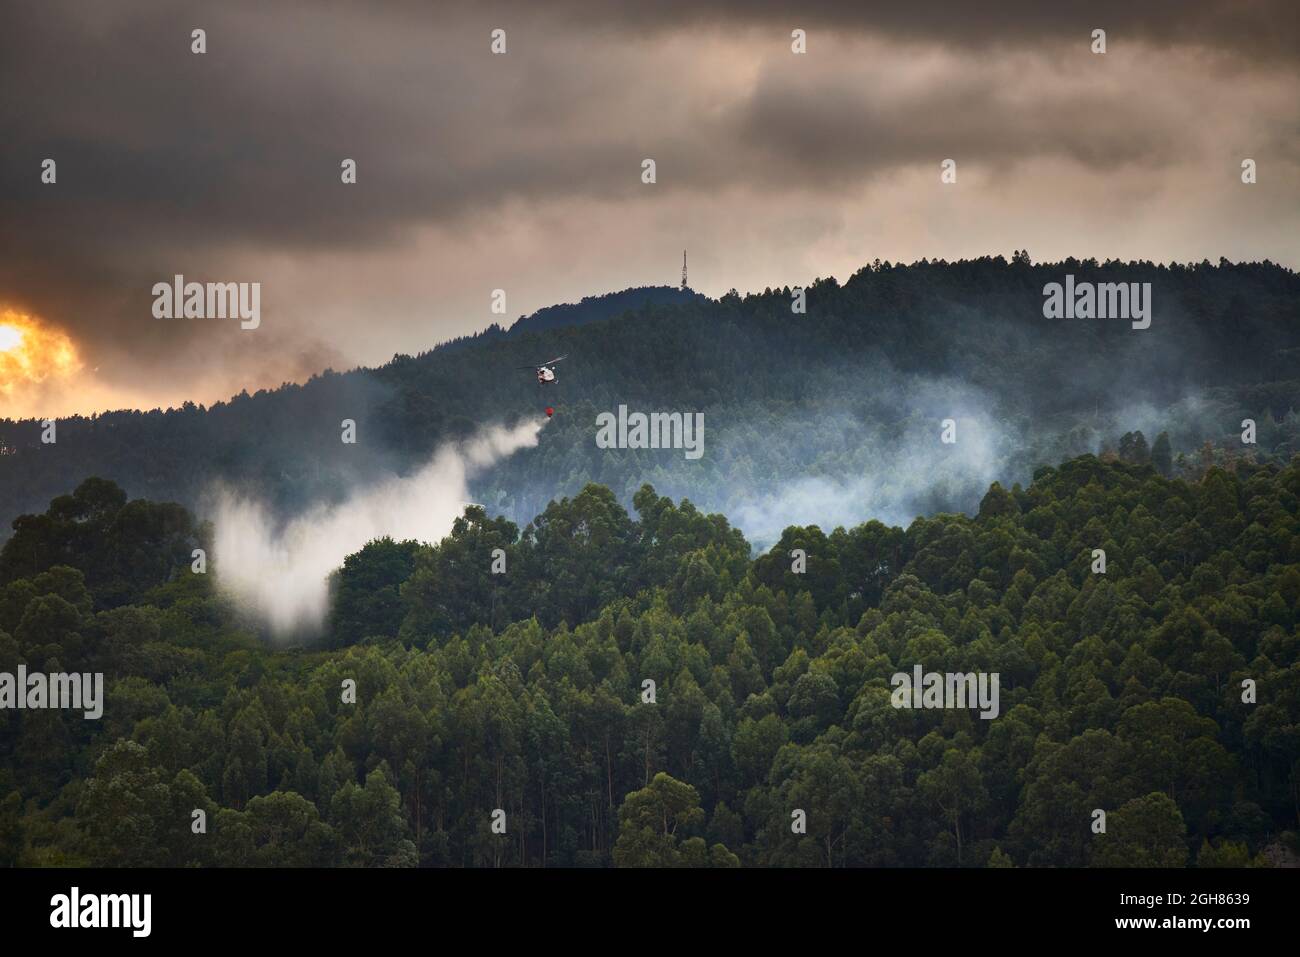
column 545, row 374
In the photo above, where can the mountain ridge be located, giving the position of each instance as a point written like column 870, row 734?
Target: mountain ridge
column 839, row 407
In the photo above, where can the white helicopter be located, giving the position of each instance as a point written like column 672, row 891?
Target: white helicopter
column 545, row 374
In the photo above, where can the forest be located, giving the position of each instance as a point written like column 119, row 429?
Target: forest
column 500, row 715
column 827, row 416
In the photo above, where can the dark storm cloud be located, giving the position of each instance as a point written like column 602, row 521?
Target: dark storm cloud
column 863, row 128
column 226, row 166
column 1256, row 30
column 241, row 145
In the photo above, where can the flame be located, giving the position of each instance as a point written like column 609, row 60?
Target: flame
column 31, row 352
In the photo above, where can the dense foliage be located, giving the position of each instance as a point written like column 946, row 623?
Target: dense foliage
column 802, row 411
column 524, row 692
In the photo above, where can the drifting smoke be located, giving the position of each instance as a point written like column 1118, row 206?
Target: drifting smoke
column 281, row 572
column 901, row 478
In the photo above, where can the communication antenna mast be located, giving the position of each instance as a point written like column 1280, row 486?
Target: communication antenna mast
column 683, row 268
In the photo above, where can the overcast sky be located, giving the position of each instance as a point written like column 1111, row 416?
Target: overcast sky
column 522, row 171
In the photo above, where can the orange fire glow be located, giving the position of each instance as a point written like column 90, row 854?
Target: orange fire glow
column 31, row 352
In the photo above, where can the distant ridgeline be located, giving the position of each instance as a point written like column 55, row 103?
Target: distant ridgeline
column 831, row 415
column 590, row 309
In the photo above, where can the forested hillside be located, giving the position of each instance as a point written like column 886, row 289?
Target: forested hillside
column 830, row 416
column 525, row 692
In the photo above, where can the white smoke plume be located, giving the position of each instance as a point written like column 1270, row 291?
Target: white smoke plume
column 280, row 573
column 903, row 477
